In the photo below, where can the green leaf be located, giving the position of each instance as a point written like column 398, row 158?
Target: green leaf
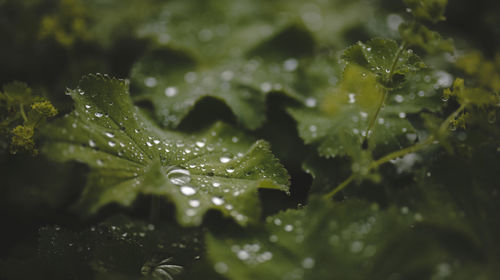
column 219, row 168
column 241, row 84
column 340, row 127
column 379, row 56
column 418, row 35
column 350, row 240
column 429, row 10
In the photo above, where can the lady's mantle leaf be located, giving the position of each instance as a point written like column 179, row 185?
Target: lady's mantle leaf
column 219, row 168
column 340, row 127
column 322, row 241
column 378, row 56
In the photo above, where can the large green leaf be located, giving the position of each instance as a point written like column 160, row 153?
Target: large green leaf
column 324, row 241
column 241, row 84
column 219, row 168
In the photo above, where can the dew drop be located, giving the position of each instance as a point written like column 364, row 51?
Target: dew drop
column 109, row 134
column 243, row 255
column 402, row 115
column 311, row 102
column 352, row 98
column 216, row 184
column 290, row 64
column 224, row 159
column 150, row 82
column 229, row 170
column 111, row 144
column 99, row 115
column 194, row 203
column 171, row 91
column 178, row 176
column 399, row 98
column 200, row 144
column 221, row 267
column 92, row 143
column 288, row 228
column 217, row 201
column 308, row 263
column 187, row 190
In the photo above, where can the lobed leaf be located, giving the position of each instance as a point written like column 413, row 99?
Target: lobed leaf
column 219, row 168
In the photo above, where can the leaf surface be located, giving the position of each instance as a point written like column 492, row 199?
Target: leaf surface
column 219, row 168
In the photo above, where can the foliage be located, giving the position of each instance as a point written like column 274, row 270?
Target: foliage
column 249, row 140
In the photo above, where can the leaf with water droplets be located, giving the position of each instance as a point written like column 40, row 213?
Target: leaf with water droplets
column 340, row 125
column 129, row 155
column 379, row 56
column 418, row 35
column 430, row 10
column 349, row 240
column 241, row 84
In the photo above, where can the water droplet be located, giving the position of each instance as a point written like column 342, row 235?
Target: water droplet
column 352, row 98
column 312, row 128
column 216, row 184
column 308, row 263
column 187, row 190
column 194, row 203
column 150, row 82
column 111, row 144
column 381, row 120
column 229, row 170
column 224, row 159
column 217, row 201
column 265, row 87
column 227, row 75
column 109, row 134
column 290, row 64
column 399, row 98
column 288, row 228
column 92, row 143
column 364, row 115
column 357, row 246
column 243, row 255
column 393, row 21
column 88, row 106
column 200, row 144
column 178, row 176
column 402, row 115
column 221, row 267
column 99, row 115
column 311, row 102
column 235, row 139
column 171, row 91
column 190, row 77
column 149, row 144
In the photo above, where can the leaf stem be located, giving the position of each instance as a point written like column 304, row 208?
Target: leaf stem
column 402, row 47
column 23, row 114
column 417, row 147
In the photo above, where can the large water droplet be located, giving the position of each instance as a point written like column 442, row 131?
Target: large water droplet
column 225, row 159
column 217, row 200
column 290, row 64
column 188, row 190
column 178, row 176
column 194, row 203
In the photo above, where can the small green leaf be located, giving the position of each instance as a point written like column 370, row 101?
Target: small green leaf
column 379, row 56
column 418, row 35
column 219, row 168
column 430, row 10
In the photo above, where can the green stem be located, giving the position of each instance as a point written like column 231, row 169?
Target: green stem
column 399, row 153
column 386, row 91
column 23, row 114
